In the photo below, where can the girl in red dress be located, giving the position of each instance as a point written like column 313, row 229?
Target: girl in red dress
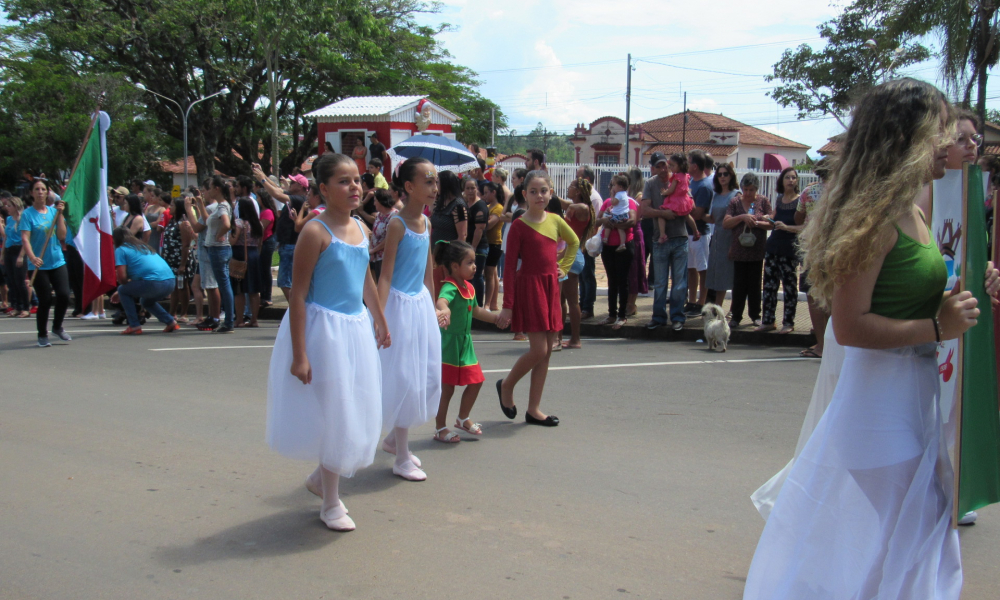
column 531, row 293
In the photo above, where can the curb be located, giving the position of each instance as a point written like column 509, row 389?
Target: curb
column 690, row 333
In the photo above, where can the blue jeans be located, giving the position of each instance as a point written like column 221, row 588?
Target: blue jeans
column 588, row 284
column 149, row 294
column 670, row 261
column 286, row 252
column 219, row 257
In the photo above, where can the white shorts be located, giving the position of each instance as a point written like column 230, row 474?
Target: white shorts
column 698, row 252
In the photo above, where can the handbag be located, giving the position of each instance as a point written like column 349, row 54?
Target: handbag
column 747, row 239
column 595, row 244
column 238, row 268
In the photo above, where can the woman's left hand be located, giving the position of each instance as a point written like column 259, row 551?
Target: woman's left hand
column 993, row 283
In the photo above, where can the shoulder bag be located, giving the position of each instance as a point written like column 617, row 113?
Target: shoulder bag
column 238, row 268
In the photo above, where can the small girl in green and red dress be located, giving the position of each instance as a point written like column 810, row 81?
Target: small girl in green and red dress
column 457, row 305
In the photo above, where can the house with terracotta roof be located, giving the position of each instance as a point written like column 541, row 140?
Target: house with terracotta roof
column 603, row 141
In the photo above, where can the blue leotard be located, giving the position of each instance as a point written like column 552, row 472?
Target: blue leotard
column 411, row 259
column 341, row 286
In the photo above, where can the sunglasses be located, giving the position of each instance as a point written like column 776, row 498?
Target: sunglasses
column 723, row 174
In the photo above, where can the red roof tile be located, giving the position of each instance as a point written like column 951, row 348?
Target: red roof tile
column 700, row 125
column 714, row 149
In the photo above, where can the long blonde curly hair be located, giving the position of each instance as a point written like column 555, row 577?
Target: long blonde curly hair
column 887, row 156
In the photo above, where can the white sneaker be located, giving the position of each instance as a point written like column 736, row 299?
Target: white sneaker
column 102, row 316
column 89, row 317
column 969, row 518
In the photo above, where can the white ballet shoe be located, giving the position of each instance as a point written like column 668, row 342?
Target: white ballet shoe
column 392, row 450
column 409, row 471
column 336, row 518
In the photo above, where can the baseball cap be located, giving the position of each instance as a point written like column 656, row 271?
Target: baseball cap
column 301, row 180
column 373, row 135
column 121, row 190
column 657, row 158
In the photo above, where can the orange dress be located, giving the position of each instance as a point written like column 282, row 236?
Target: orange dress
column 531, row 288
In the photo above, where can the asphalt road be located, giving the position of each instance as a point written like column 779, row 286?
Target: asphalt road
column 137, row 468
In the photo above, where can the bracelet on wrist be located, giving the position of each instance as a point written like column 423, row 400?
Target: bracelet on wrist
column 937, row 329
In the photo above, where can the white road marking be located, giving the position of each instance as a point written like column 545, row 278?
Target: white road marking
column 209, row 348
column 662, row 364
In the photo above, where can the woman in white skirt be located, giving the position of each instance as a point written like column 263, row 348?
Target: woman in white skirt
column 411, row 368
column 865, row 511
column 324, row 385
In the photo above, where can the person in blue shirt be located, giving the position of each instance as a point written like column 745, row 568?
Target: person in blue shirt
column 45, row 256
column 142, row 275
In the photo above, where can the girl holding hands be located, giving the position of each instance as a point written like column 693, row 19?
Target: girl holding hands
column 531, row 293
column 324, row 383
column 456, row 308
column 411, row 368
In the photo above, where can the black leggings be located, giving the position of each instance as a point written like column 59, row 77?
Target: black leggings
column 746, row 288
column 617, row 265
column 17, row 289
column 74, row 265
column 45, row 282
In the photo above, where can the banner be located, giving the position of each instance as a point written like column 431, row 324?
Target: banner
column 968, row 367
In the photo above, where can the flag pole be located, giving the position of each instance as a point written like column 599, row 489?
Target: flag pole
column 76, row 163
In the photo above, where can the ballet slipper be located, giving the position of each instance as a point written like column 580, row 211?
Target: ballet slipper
column 386, row 447
column 336, row 518
column 409, row 471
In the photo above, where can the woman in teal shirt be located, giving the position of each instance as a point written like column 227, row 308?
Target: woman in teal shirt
column 143, row 275
column 47, row 259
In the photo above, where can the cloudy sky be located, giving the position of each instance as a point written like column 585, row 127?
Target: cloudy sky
column 563, row 62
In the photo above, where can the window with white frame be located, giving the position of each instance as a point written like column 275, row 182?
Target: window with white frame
column 753, row 163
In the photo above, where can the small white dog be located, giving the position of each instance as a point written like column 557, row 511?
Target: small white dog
column 716, row 327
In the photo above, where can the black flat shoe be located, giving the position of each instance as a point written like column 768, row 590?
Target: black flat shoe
column 511, row 412
column 549, row 421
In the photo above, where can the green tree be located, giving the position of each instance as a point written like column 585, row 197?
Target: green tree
column 860, row 51
column 45, row 108
column 968, row 34
column 556, row 146
column 278, row 59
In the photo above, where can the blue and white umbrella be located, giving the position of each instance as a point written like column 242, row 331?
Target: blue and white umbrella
column 444, row 153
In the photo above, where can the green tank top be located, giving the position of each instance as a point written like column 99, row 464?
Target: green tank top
column 911, row 282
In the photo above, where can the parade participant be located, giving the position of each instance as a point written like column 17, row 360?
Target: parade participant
column 335, row 416
column 144, row 276
column 870, row 496
column 531, row 293
column 781, row 258
column 411, row 367
column 44, row 256
column 456, row 308
column 15, row 262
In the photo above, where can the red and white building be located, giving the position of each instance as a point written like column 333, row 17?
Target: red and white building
column 394, row 118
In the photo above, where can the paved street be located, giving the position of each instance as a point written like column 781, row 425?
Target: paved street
column 137, row 468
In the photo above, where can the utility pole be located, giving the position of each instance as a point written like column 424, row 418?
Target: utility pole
column 628, row 107
column 493, row 127
column 684, row 127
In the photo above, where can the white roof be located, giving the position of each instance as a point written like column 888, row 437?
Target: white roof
column 370, row 106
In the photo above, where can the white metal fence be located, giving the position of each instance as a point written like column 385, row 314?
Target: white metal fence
column 562, row 174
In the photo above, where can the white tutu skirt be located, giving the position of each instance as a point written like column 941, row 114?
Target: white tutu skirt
column 335, row 420
column 411, row 365
column 826, row 382
column 865, row 512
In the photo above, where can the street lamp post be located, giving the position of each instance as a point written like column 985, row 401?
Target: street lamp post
column 184, row 115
